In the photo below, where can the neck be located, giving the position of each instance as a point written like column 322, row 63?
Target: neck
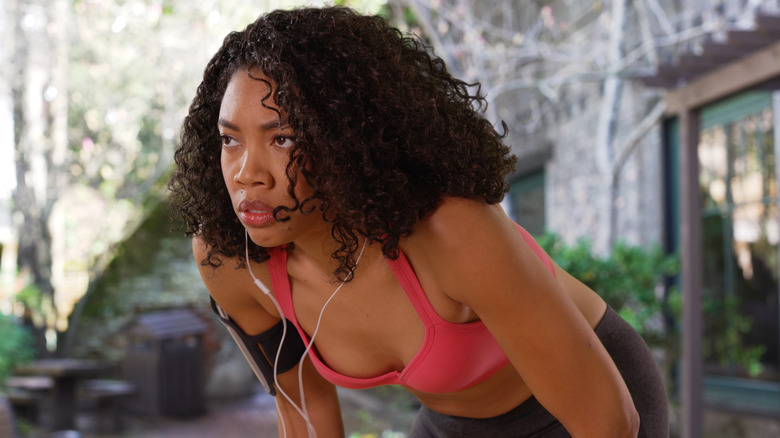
column 317, row 255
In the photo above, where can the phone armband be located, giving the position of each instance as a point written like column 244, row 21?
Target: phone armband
column 260, row 349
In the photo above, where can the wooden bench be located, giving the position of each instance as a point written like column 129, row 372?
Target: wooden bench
column 107, row 398
column 30, row 383
column 26, row 394
column 8, row 426
column 24, row 404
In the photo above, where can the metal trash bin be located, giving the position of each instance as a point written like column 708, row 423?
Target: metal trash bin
column 164, row 359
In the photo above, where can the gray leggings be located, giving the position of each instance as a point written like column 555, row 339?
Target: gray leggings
column 531, row 419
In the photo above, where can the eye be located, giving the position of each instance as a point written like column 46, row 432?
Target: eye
column 283, row 141
column 228, row 141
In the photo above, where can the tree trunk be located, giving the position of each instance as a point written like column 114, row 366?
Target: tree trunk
column 608, row 114
column 40, row 140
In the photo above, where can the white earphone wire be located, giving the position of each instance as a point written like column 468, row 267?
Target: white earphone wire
column 267, row 292
column 302, row 410
column 317, row 328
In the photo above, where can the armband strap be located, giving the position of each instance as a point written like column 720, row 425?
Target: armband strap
column 260, row 349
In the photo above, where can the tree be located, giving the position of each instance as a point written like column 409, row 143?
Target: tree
column 40, row 113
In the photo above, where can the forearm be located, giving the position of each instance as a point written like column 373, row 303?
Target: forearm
column 324, row 415
column 322, row 403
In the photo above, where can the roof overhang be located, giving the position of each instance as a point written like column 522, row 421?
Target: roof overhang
column 745, row 59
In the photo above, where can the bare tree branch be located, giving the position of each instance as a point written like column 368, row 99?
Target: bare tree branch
column 660, row 16
column 633, row 139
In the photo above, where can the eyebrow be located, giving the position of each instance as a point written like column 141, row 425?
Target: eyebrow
column 263, row 126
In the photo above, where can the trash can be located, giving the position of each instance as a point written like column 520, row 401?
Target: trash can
column 164, row 359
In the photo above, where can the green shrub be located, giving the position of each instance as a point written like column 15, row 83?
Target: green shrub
column 16, row 346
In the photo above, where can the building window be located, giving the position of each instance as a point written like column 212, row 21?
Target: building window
column 526, row 201
column 740, row 236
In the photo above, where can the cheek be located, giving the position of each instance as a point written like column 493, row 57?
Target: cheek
column 302, row 189
column 227, row 171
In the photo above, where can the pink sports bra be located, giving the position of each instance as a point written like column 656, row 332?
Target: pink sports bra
column 452, row 357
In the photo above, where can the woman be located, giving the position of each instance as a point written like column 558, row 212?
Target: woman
column 341, row 185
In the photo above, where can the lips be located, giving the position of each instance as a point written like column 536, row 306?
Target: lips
column 253, row 213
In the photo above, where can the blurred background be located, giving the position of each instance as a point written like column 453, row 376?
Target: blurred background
column 647, row 168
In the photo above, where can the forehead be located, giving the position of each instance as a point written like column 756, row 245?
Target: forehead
column 248, row 92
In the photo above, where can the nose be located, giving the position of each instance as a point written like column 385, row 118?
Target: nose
column 254, row 169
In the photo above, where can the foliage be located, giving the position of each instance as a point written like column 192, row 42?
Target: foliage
column 15, row 346
column 31, row 298
column 631, row 280
column 729, row 348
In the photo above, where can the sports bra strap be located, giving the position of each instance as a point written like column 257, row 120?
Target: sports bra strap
column 277, row 267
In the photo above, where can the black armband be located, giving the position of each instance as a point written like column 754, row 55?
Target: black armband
column 260, row 349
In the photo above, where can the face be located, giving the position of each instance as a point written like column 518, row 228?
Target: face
column 255, row 152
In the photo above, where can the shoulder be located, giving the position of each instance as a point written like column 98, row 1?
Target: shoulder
column 466, row 243
column 461, row 213
column 216, row 268
column 460, row 227
column 234, row 290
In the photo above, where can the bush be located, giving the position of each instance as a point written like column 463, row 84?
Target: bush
column 16, row 346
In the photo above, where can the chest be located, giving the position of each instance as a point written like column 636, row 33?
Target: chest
column 368, row 326
column 365, row 328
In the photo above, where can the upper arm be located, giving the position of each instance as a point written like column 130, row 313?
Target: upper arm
column 483, row 262
column 235, row 292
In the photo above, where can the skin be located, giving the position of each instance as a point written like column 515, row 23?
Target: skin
column 544, row 323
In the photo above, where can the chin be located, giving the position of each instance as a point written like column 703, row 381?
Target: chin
column 265, row 238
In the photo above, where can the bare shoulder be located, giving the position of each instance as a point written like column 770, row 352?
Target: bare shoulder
column 234, row 290
column 464, row 226
column 459, row 242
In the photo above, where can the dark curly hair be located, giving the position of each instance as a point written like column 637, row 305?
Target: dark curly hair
column 383, row 131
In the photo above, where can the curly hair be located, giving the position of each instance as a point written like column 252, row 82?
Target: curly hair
column 383, row 131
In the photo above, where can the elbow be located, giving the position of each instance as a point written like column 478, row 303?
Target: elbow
column 635, row 424
column 618, row 423
column 621, row 423
column 625, row 420
column 629, row 423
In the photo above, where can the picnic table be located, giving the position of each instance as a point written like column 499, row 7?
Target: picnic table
column 65, row 374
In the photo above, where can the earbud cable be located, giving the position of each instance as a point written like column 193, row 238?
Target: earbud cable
column 302, row 410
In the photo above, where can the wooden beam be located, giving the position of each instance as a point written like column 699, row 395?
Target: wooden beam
column 766, row 22
column 656, row 81
column 731, row 78
column 770, row 85
column 691, row 256
column 680, row 73
column 713, row 50
column 748, row 39
column 694, row 64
